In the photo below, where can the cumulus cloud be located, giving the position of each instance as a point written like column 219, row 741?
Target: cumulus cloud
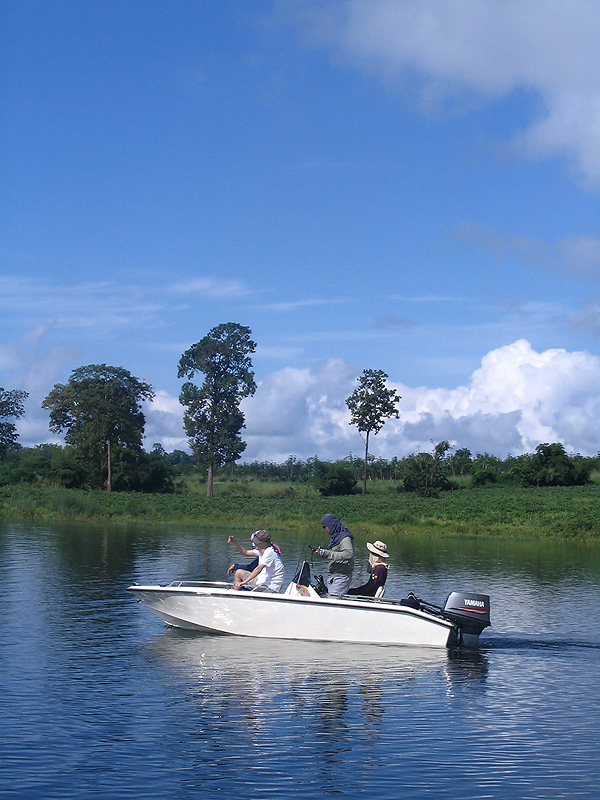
column 164, row 422
column 299, row 412
column 515, row 400
column 465, row 50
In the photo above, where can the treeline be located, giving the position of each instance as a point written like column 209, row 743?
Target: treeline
column 133, row 469
column 427, row 474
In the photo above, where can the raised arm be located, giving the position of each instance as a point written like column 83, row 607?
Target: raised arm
column 232, row 540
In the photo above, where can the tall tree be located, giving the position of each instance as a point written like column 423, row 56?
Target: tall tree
column 370, row 404
column 212, row 419
column 100, row 409
column 12, row 406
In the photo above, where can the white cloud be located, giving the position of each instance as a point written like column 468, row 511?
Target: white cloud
column 164, row 423
column 571, row 128
column 88, row 306
column 212, row 288
column 293, row 305
column 461, row 50
column 299, row 412
column 515, row 400
column 25, row 365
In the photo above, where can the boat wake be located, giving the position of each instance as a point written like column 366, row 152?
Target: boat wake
column 516, row 642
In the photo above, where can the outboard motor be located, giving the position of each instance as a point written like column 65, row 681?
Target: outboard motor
column 470, row 612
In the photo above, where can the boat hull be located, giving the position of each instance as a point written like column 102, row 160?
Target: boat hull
column 288, row 616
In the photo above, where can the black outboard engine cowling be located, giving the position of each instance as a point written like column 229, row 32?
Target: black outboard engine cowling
column 470, row 612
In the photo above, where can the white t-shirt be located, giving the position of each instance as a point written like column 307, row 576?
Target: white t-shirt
column 272, row 574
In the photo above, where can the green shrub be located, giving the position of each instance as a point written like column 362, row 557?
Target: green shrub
column 335, row 480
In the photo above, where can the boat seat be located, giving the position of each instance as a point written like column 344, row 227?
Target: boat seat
column 380, row 592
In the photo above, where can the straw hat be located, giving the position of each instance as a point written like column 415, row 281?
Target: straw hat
column 378, row 548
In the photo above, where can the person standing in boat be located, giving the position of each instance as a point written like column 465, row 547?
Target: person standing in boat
column 268, row 573
column 378, row 568
column 340, row 554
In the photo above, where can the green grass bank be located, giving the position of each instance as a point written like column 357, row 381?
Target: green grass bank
column 556, row 512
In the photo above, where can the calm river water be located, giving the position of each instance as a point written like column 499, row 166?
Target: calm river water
column 98, row 699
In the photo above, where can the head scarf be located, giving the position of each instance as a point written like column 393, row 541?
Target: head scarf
column 337, row 531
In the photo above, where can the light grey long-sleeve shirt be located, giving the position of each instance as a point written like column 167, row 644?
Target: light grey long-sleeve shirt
column 340, row 557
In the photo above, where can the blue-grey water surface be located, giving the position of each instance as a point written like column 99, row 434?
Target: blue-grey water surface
column 99, row 699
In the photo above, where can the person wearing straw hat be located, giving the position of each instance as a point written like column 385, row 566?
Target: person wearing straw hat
column 378, row 568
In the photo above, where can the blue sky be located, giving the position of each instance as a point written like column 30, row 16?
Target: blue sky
column 404, row 185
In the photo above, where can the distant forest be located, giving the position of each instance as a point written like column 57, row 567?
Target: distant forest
column 428, row 474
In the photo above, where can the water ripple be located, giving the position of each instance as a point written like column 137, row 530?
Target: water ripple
column 99, row 700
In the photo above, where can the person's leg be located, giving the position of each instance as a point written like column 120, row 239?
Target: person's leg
column 240, row 575
column 338, row 585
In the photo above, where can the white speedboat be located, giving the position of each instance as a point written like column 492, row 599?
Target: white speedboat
column 301, row 613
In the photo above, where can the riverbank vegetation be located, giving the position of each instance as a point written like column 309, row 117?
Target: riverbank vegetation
column 550, row 512
column 544, row 494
